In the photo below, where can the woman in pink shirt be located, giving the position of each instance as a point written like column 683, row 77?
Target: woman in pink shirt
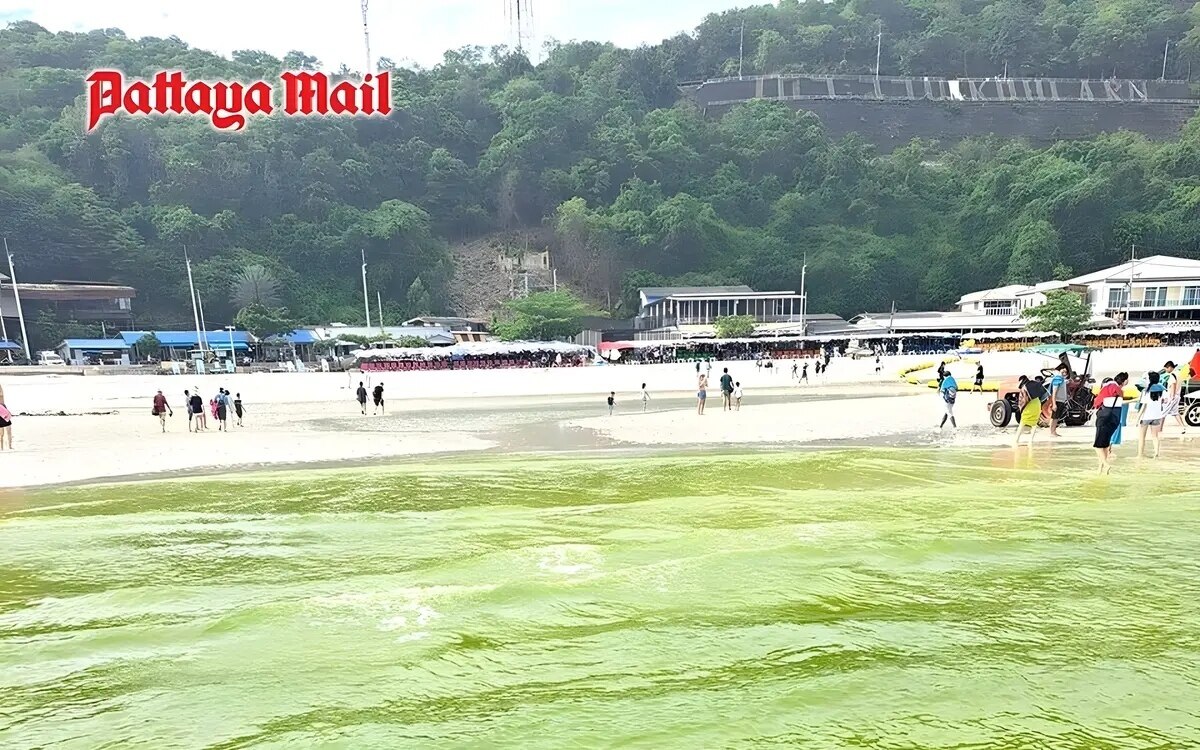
column 5, row 426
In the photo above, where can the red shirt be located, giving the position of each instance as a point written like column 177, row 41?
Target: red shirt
column 160, row 402
column 1110, row 390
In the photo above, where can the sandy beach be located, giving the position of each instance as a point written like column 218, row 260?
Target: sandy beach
column 108, row 431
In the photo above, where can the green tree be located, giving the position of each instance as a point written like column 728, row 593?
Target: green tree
column 1064, row 313
column 734, row 326
column 264, row 321
column 148, row 345
column 544, row 316
column 417, row 299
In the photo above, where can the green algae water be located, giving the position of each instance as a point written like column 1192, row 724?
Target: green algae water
column 849, row 599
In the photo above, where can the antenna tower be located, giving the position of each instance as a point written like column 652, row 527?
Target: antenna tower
column 366, row 38
column 519, row 14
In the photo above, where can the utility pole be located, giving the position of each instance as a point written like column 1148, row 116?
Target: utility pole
column 804, row 297
column 878, row 47
column 1166, row 47
column 195, row 306
column 366, row 299
column 741, row 46
column 3, row 325
column 366, row 39
column 1129, row 290
column 12, row 277
column 379, row 308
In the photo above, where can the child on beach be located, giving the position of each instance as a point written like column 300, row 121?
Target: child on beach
column 612, row 402
column 645, row 398
column 737, row 396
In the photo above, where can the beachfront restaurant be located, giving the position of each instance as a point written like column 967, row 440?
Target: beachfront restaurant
column 94, row 351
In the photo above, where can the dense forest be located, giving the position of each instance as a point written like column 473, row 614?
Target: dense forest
column 596, row 147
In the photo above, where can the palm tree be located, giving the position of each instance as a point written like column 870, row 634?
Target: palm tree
column 255, row 285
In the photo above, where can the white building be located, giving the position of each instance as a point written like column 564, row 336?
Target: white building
column 692, row 311
column 1158, row 288
column 1009, row 301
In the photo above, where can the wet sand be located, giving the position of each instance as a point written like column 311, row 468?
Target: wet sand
column 311, row 419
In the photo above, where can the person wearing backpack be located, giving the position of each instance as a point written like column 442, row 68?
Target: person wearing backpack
column 948, row 389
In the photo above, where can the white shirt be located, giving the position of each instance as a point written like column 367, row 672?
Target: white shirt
column 737, row 392
column 1151, row 410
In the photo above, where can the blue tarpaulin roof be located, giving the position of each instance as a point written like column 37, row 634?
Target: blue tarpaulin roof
column 301, row 336
column 189, row 340
column 6, row 345
column 96, row 344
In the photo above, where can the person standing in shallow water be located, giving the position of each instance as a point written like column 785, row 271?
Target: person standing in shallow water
column 1030, row 398
column 948, row 389
column 1108, row 404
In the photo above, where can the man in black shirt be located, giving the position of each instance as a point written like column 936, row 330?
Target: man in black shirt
column 196, row 408
column 379, row 399
column 362, row 397
column 727, row 390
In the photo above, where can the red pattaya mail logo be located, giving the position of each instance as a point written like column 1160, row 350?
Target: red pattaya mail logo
column 228, row 105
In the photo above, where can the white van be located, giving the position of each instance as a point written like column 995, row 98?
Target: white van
column 50, row 358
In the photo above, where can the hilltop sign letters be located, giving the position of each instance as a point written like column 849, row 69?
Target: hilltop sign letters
column 228, row 105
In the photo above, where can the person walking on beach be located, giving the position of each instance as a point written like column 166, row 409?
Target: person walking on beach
column 645, row 399
column 697, row 368
column 223, row 410
column 878, row 365
column 379, row 399
column 978, row 379
column 612, row 402
column 941, row 371
column 6, row 420
column 1108, row 404
column 948, row 389
column 795, row 369
column 727, row 390
column 161, row 410
column 187, row 404
column 1152, row 413
column 238, row 409
column 701, row 394
column 737, row 396
column 362, row 397
column 1171, row 386
column 197, row 402
column 1029, row 402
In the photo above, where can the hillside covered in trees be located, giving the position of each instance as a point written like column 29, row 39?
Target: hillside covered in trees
column 597, row 143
